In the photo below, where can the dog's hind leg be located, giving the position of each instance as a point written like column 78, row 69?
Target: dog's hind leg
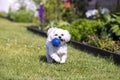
column 49, row 59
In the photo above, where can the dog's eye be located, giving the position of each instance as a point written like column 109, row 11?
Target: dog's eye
column 56, row 35
column 62, row 34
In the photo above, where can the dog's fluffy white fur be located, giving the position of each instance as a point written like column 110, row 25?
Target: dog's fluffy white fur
column 57, row 54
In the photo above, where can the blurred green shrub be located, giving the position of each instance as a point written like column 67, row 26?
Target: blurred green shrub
column 37, row 1
column 69, row 15
column 53, row 10
column 80, row 29
column 87, row 27
column 21, row 16
column 3, row 14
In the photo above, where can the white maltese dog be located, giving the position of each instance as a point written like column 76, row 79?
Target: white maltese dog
column 57, row 54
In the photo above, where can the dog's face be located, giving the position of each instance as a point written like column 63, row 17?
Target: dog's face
column 63, row 35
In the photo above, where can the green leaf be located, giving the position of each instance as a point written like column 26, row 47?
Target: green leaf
column 107, row 17
column 118, row 33
column 115, row 28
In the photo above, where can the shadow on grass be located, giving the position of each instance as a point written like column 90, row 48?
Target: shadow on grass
column 43, row 58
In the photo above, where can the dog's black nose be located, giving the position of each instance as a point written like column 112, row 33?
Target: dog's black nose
column 60, row 37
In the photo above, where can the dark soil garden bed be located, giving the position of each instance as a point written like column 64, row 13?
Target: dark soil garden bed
column 93, row 50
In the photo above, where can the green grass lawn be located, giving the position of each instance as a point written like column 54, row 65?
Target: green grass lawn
column 22, row 57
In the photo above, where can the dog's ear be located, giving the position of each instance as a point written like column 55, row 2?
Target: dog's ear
column 50, row 33
column 50, row 30
column 67, row 36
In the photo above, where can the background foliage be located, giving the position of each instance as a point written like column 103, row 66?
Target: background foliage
column 21, row 16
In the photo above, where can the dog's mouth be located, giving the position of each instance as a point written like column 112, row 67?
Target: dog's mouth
column 62, row 39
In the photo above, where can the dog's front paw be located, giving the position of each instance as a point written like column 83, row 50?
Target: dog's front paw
column 62, row 62
column 57, row 60
column 55, row 57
